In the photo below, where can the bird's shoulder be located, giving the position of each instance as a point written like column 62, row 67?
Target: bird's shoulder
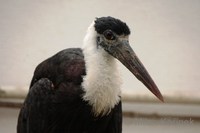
column 67, row 66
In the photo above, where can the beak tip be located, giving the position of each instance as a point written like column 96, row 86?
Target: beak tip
column 156, row 92
column 161, row 98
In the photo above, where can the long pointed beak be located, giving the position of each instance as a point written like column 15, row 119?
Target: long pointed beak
column 125, row 54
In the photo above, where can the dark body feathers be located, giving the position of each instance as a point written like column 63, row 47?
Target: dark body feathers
column 54, row 103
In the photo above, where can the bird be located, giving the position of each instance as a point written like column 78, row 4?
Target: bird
column 78, row 90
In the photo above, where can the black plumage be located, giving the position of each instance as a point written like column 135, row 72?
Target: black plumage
column 104, row 23
column 54, row 103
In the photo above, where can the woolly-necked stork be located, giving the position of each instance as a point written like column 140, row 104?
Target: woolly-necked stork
column 78, row 89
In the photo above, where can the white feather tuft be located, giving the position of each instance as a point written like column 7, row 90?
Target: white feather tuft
column 102, row 82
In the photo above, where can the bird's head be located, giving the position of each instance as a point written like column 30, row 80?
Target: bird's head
column 113, row 36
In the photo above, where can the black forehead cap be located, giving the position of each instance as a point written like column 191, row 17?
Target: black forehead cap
column 109, row 23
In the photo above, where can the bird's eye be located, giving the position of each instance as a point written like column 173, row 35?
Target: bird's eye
column 109, row 35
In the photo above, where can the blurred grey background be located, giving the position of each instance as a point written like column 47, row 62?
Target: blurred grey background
column 165, row 36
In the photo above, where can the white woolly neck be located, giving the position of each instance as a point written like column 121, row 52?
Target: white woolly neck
column 102, row 82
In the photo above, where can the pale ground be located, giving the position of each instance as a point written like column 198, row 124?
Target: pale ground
column 8, row 119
